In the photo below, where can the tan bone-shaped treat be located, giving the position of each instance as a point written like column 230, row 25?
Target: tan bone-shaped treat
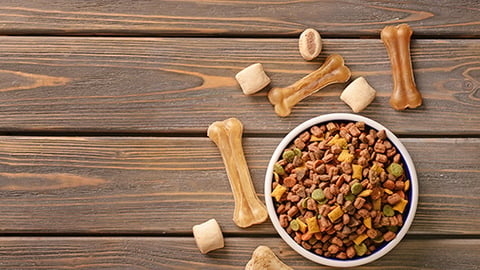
column 227, row 135
column 397, row 42
column 263, row 258
column 332, row 71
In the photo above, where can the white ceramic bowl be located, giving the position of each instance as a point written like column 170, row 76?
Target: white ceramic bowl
column 412, row 193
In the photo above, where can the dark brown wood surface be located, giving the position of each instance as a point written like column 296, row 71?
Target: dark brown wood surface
column 181, row 85
column 104, row 107
column 167, row 185
column 238, row 18
column 181, row 253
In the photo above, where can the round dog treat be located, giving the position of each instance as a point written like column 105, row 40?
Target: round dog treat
column 252, row 79
column 358, row 94
column 310, row 44
column 208, row 236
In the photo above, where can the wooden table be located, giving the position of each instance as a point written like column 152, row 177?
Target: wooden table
column 105, row 105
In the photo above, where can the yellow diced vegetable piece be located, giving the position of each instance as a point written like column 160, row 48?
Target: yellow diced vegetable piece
column 314, row 138
column 367, row 222
column 388, row 191
column 345, row 156
column 312, row 225
column 335, row 214
column 303, row 226
column 365, row 193
column 406, row 187
column 377, row 168
column 333, row 140
column 357, row 171
column 342, row 142
column 377, row 204
column 400, row 206
column 276, row 176
column 278, row 192
column 360, row 239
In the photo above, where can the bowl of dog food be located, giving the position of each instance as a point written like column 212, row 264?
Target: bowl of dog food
column 341, row 190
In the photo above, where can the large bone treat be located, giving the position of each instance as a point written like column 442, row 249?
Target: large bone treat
column 227, row 135
column 397, row 41
column 332, row 71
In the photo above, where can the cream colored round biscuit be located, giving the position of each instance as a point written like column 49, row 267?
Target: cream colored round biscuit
column 208, row 236
column 310, row 44
column 358, row 94
column 252, row 79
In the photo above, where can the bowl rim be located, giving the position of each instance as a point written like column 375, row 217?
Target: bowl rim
column 273, row 215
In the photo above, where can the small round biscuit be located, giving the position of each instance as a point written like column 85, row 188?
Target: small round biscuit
column 252, row 79
column 208, row 236
column 358, row 94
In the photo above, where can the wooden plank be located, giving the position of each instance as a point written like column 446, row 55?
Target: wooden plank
column 167, row 185
column 179, row 85
column 181, row 253
column 239, row 18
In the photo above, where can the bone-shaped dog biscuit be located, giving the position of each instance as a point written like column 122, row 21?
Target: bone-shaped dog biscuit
column 332, row 71
column 397, row 42
column 263, row 258
column 227, row 135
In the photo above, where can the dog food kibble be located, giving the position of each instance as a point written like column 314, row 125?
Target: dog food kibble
column 340, row 190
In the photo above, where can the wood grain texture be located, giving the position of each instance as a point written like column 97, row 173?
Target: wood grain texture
column 238, row 18
column 172, row 85
column 181, row 253
column 167, row 185
column 165, row 70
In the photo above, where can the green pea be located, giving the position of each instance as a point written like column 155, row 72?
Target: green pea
column 297, row 152
column 294, row 225
column 392, row 228
column 360, row 249
column 356, row 188
column 388, row 211
column 277, row 168
column 395, row 169
column 378, row 239
column 288, row 155
column 318, row 195
column 324, row 201
column 350, row 197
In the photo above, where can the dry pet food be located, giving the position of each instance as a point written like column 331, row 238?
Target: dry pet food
column 358, row 94
column 341, row 190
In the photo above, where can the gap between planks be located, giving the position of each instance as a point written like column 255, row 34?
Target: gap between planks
column 199, row 134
